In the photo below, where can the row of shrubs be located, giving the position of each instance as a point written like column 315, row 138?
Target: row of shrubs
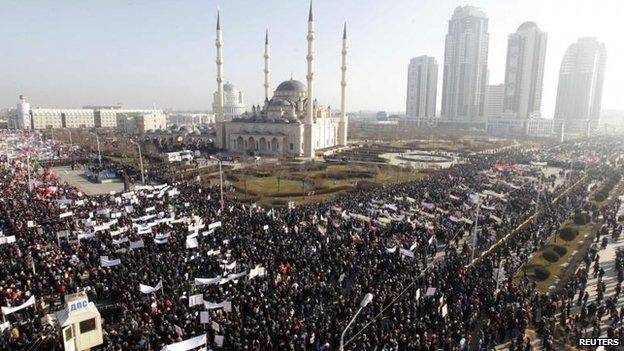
column 553, row 253
column 603, row 193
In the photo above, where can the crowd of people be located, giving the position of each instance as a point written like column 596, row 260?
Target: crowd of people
column 430, row 252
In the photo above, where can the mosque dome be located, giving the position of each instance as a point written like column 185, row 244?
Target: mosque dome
column 229, row 87
column 291, row 89
column 291, row 86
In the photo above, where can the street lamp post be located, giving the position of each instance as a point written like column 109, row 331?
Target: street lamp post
column 474, row 238
column 365, row 301
column 97, row 140
column 70, row 137
column 140, row 161
column 220, row 179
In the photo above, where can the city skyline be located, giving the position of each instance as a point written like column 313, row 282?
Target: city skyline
column 166, row 56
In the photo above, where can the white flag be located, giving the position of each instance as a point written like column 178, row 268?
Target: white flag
column 9, row 310
column 105, row 262
column 407, row 253
column 207, row 281
column 146, row 289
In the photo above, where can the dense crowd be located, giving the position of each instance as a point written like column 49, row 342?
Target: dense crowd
column 431, row 263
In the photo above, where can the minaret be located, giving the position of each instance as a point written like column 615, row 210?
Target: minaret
column 342, row 125
column 309, row 120
column 266, row 66
column 219, row 45
column 219, row 117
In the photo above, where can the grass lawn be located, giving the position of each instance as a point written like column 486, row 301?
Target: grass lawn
column 269, row 185
column 265, row 187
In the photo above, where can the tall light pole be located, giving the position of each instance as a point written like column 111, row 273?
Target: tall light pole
column 70, row 137
column 140, row 161
column 474, row 239
column 28, row 167
column 97, row 140
column 365, row 301
column 220, row 179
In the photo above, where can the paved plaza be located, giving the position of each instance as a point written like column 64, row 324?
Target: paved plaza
column 76, row 178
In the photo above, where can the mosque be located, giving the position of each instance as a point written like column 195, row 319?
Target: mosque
column 291, row 123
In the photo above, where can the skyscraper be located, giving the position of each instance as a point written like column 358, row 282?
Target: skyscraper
column 422, row 85
column 465, row 66
column 581, row 76
column 524, row 73
column 494, row 98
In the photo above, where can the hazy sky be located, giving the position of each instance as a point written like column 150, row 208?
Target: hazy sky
column 69, row 53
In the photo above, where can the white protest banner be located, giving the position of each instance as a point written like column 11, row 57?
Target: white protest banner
column 218, row 340
column 226, row 305
column 235, row 276
column 191, row 243
column 105, row 262
column 414, row 245
column 213, row 252
column 9, row 310
column 161, row 241
column 417, row 294
column 146, row 289
column 407, row 253
column 196, row 300
column 430, row 292
column 207, row 281
column 137, row 244
column 257, row 272
column 214, row 225
column 86, row 236
column 7, row 239
column 31, row 224
column 187, row 344
column 145, row 231
column 121, row 241
column 444, row 310
column 150, row 209
column 66, row 214
column 4, row 326
column 204, row 317
column 266, row 227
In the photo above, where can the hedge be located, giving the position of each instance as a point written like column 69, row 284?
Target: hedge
column 541, row 273
column 560, row 250
column 582, row 218
column 568, row 233
column 550, row 255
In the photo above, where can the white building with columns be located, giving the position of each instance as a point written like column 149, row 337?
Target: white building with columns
column 289, row 123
